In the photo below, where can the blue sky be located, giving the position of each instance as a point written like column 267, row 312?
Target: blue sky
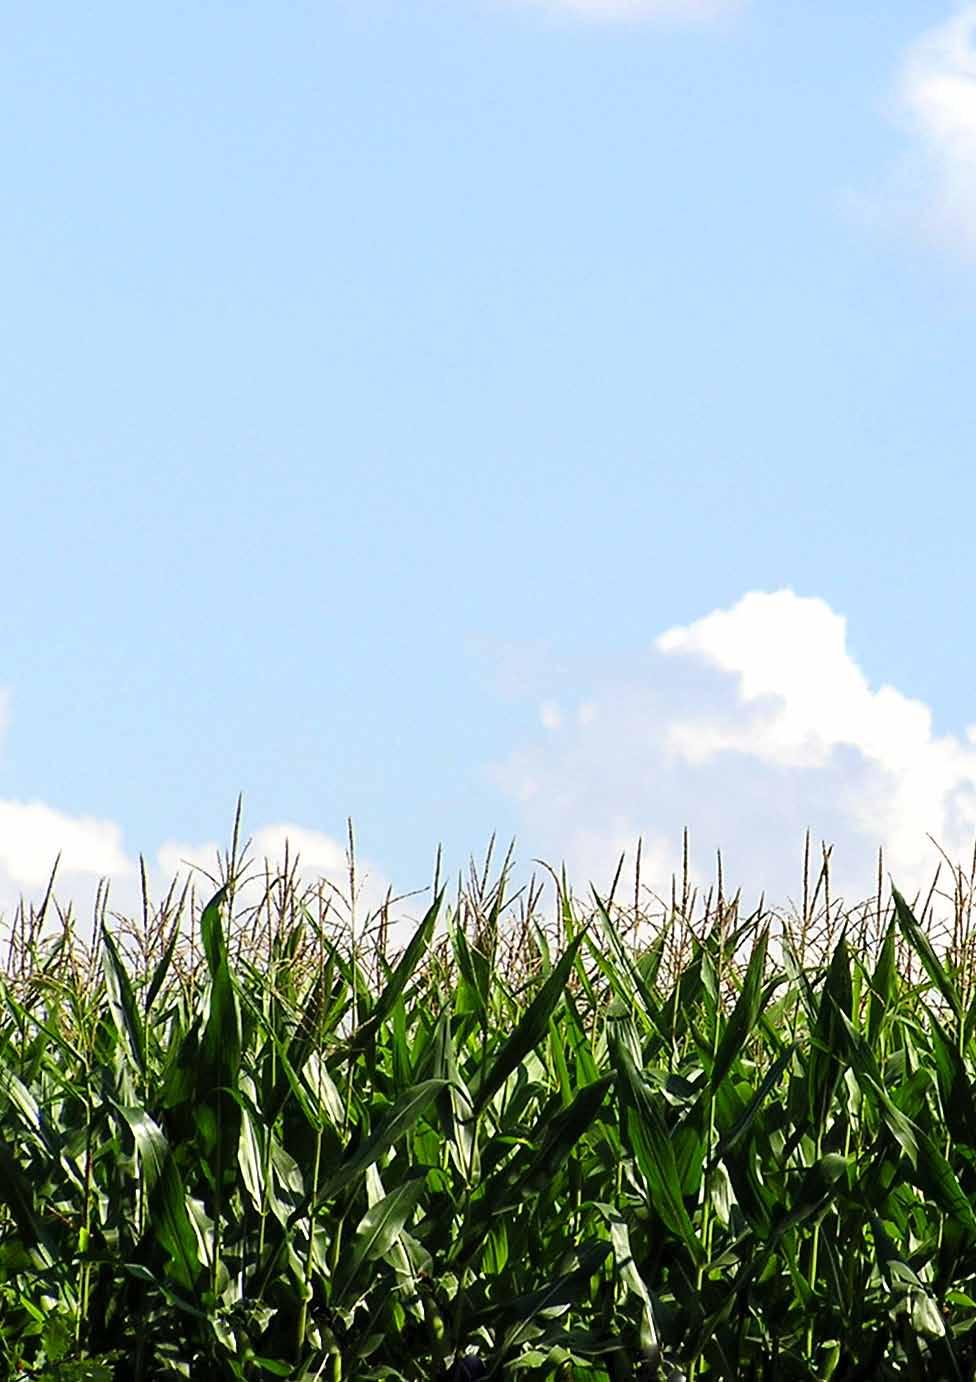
column 382, row 380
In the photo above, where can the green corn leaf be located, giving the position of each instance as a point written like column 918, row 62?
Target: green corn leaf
column 167, row 1197
column 922, row 946
column 648, row 1140
column 454, row 1104
column 634, row 1282
column 902, row 1129
column 587, row 1070
column 418, row 946
column 884, row 983
column 474, row 986
column 122, row 1003
column 151, row 1144
column 308, row 1029
column 162, row 968
column 829, row 1039
column 314, row 1111
column 212, row 931
column 29, row 1116
column 171, row 1220
column 747, row 1009
column 970, row 1025
column 529, row 1032
column 564, row 1132
column 682, row 1000
column 626, row 977
column 826, row 1177
column 564, row 1290
column 557, row 1053
column 402, row 1117
column 220, row 1047
column 250, row 1157
column 17, row 1193
column 216, row 1112
column 955, row 1087
column 744, row 1121
column 936, row 1178
column 380, row 1227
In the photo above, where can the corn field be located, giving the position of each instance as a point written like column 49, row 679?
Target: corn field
column 253, row 1144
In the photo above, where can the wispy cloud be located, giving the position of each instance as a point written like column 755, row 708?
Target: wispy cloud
column 677, row 11
column 749, row 725
column 935, row 186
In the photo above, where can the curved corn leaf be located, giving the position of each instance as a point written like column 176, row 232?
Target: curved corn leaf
column 527, row 1035
column 739, row 1027
column 401, row 1118
column 122, row 1003
column 922, row 946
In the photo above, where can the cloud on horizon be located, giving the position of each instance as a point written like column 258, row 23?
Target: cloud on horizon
column 92, row 851
column 34, row 834
column 749, row 726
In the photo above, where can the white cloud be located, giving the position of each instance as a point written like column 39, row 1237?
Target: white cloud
column 586, row 712
column 936, row 100
column 32, row 835
column 750, row 725
column 680, row 11
column 550, row 715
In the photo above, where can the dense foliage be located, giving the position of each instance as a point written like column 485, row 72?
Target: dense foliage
column 738, row 1148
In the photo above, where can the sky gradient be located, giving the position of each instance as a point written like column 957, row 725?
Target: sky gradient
column 548, row 418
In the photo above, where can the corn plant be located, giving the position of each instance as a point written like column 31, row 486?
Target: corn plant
column 241, row 1144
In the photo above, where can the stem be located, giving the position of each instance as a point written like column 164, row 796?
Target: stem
column 707, row 1215
column 84, row 1236
column 302, row 1326
column 814, row 1257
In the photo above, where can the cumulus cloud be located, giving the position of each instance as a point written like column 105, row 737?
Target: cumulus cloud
column 32, row 835
column 749, row 725
column 936, row 101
